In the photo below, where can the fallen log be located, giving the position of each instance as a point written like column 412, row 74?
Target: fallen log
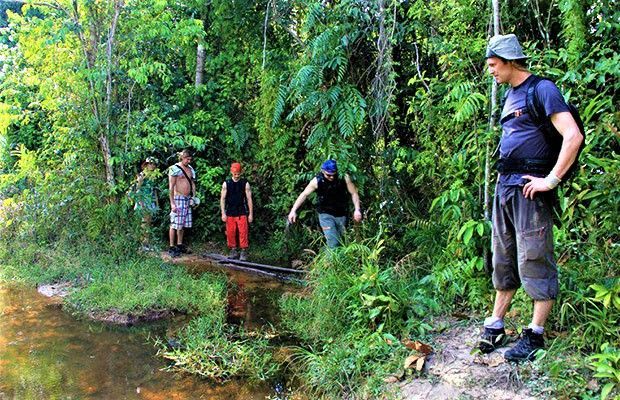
column 225, row 260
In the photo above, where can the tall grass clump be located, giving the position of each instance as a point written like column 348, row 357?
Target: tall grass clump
column 350, row 321
column 209, row 347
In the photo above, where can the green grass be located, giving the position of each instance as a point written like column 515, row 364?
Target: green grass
column 126, row 283
column 351, row 321
column 212, row 349
column 146, row 284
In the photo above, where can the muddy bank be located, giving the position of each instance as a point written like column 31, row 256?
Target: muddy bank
column 58, row 291
column 251, row 296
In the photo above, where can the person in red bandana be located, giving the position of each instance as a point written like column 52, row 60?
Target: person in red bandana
column 237, row 212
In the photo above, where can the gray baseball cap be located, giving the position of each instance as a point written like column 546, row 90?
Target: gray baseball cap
column 506, row 47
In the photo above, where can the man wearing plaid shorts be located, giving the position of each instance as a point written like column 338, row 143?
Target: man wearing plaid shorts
column 181, row 189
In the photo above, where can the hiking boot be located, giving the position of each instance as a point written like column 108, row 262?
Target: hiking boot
column 492, row 339
column 243, row 255
column 173, row 251
column 526, row 347
column 234, row 254
column 183, row 249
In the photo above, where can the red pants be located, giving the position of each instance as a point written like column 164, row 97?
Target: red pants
column 240, row 224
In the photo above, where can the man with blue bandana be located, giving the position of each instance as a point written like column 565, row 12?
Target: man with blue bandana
column 332, row 202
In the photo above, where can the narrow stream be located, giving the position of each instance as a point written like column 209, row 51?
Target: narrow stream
column 45, row 353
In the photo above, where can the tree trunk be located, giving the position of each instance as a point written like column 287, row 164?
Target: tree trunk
column 488, row 155
column 200, row 64
column 382, row 89
column 265, row 35
column 200, row 69
column 105, row 134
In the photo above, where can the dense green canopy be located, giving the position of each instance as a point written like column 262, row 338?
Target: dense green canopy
column 396, row 91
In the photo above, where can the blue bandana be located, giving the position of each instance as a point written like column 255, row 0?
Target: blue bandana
column 330, row 167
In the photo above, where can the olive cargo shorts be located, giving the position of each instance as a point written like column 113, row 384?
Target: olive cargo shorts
column 523, row 243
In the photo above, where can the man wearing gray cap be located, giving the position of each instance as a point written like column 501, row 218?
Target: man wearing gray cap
column 529, row 170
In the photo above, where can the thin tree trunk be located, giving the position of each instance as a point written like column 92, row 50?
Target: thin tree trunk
column 382, row 89
column 104, row 138
column 200, row 69
column 129, row 96
column 488, row 155
column 265, row 34
column 200, row 65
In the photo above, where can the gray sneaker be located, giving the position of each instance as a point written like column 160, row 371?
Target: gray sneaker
column 234, row 254
column 243, row 256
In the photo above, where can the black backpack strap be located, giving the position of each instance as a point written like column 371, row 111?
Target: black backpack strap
column 532, row 103
column 537, row 112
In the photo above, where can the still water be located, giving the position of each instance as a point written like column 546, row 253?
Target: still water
column 46, row 353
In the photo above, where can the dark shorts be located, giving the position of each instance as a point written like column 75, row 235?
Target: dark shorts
column 523, row 243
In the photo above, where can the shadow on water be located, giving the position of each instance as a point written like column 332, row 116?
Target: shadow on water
column 46, row 353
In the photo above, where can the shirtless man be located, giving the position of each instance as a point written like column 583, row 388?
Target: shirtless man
column 182, row 186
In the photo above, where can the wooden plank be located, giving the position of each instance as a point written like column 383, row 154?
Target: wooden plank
column 223, row 259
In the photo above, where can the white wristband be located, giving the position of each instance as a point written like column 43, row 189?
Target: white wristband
column 552, row 181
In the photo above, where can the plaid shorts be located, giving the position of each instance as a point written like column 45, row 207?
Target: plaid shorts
column 183, row 219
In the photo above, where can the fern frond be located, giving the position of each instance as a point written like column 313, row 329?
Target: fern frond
column 319, row 134
column 470, row 106
column 308, row 76
column 279, row 105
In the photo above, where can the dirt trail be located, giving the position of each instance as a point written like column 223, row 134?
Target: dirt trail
column 452, row 372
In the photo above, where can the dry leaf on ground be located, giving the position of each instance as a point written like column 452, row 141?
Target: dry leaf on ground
column 418, row 346
column 417, row 359
column 492, row 360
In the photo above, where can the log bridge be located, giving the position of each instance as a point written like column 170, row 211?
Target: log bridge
column 263, row 269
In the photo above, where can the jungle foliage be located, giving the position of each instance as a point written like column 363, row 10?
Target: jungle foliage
column 396, row 91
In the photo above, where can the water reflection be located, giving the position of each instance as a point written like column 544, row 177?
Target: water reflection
column 47, row 354
column 252, row 298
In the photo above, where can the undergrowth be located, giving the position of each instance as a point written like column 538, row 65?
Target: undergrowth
column 351, row 322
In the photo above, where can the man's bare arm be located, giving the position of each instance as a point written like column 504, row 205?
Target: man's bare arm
column 571, row 141
column 355, row 198
column 172, row 183
column 248, row 195
column 312, row 186
column 223, row 201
